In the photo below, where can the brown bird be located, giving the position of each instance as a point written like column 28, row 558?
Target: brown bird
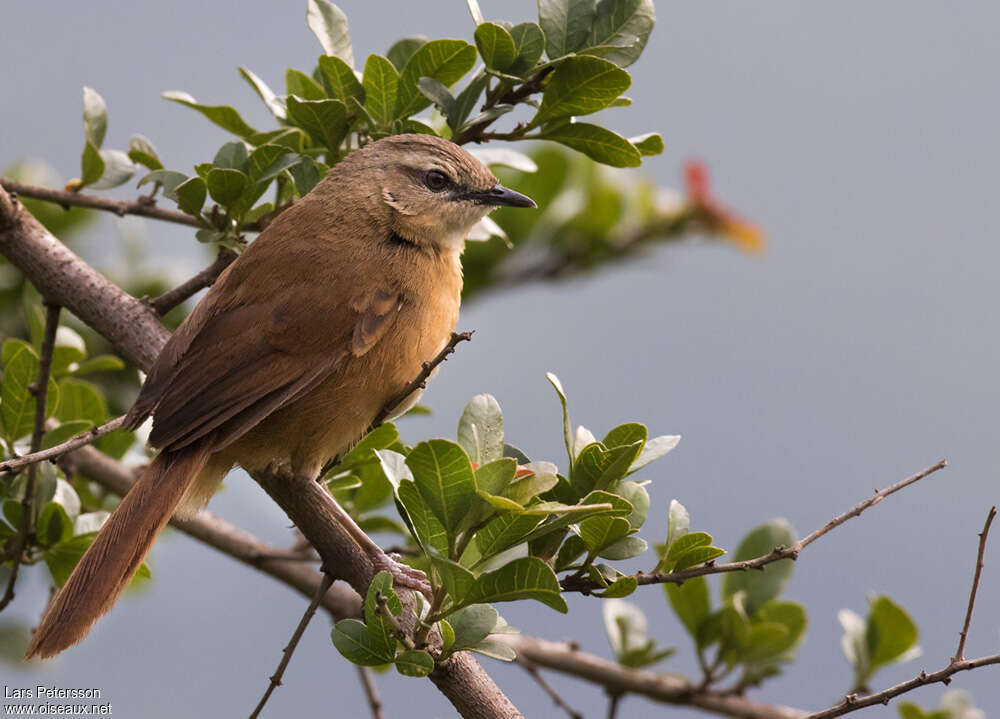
column 295, row 349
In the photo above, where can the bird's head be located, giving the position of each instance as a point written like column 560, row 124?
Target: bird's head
column 431, row 190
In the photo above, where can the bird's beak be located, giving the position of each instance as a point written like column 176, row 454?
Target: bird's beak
column 500, row 195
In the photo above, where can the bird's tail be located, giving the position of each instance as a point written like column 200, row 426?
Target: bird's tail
column 117, row 551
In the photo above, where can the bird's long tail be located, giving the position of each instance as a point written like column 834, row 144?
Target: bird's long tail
column 117, row 551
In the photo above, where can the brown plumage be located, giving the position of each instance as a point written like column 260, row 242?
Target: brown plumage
column 296, row 347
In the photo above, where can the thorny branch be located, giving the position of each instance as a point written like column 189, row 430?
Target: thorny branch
column 853, row 702
column 40, row 388
column 58, row 450
column 587, row 585
column 286, row 653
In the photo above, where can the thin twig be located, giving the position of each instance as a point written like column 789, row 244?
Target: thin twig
column 142, row 207
column 168, row 300
column 533, row 672
column 963, row 635
column 958, row 663
column 286, row 653
column 40, row 388
column 613, row 699
column 75, row 442
column 420, row 381
column 587, row 585
column 853, row 702
column 368, row 684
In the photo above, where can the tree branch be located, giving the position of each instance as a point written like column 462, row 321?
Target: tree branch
column 964, row 634
column 587, row 585
column 665, row 688
column 168, row 300
column 65, row 279
column 367, row 678
column 560, row 703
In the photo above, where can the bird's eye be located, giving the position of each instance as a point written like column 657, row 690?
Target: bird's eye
column 436, row 180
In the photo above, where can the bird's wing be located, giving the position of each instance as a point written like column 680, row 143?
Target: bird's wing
column 228, row 367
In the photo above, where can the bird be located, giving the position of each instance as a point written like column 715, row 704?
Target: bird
column 324, row 318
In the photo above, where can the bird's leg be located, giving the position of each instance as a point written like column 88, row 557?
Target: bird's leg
column 402, row 574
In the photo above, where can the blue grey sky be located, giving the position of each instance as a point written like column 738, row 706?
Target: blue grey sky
column 862, row 347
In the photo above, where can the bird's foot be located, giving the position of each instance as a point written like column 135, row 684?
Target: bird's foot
column 402, row 575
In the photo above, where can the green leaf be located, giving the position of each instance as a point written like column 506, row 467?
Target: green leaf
column 567, row 24
column 222, row 115
column 678, row 522
column 381, row 84
column 496, row 46
column 889, row 632
column 329, row 24
column 65, row 431
column 580, row 86
column 191, row 195
column 414, row 663
column 301, row 85
column 480, row 429
column 118, row 169
column 696, row 556
column 636, row 495
column 760, row 586
column 80, row 399
column 232, row 156
column 427, row 528
column 529, row 43
column 265, row 159
column 621, row 587
column 91, row 164
column 597, row 468
column 594, row 504
column 142, row 151
column 402, row 50
column 494, row 477
column 690, row 603
column 600, row 532
column 525, row 578
column 653, row 450
column 264, row 92
column 447, row 636
column 324, row 120
column 625, row 434
column 621, row 29
column 597, row 143
column 339, row 79
column 353, row 640
column 444, row 60
column 541, row 480
column 445, row 479
column 472, row 624
column 567, row 427
column 95, row 117
column 439, row 95
column 54, row 525
column 467, row 99
column 505, row 531
column 624, row 548
column 649, row 144
column 226, row 186
column 685, row 543
column 457, row 580
column 17, row 403
column 169, row 180
column 306, row 175
column 495, row 650
column 381, row 586
column 790, row 615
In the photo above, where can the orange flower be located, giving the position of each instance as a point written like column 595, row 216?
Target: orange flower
column 716, row 217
